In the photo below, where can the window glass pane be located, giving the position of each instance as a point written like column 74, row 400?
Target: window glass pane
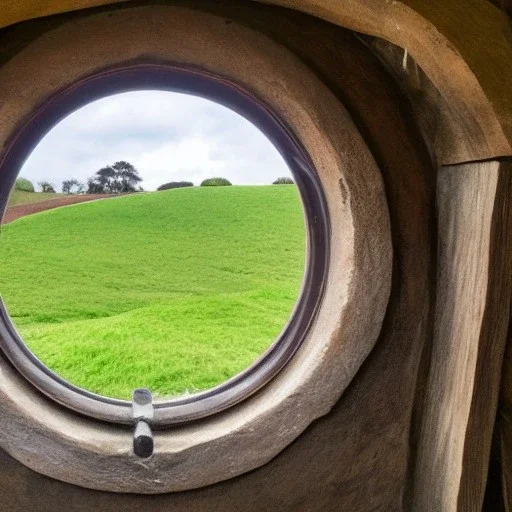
column 175, row 290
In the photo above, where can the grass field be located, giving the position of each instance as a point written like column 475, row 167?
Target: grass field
column 175, row 291
column 19, row 197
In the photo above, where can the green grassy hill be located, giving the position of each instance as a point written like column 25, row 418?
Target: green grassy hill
column 19, row 197
column 174, row 290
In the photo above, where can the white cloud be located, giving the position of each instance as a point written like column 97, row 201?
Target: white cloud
column 167, row 136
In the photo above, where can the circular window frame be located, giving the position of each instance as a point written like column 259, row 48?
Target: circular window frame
column 57, row 442
column 188, row 80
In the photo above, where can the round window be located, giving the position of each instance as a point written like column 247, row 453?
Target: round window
column 341, row 270
column 155, row 298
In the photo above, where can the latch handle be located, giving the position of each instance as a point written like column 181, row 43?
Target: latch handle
column 142, row 404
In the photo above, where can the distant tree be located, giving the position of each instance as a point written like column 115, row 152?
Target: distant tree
column 283, row 181
column 24, row 184
column 46, row 186
column 72, row 186
column 94, row 187
column 175, row 184
column 216, row 182
column 119, row 178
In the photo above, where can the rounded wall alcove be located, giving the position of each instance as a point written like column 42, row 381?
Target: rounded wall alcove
column 355, row 288
column 343, row 425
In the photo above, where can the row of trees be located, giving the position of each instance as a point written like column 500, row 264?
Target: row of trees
column 119, row 178
column 68, row 187
column 122, row 178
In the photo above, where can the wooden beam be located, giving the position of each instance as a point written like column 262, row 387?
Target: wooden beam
column 472, row 311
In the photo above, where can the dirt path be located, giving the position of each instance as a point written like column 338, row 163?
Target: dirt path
column 15, row 212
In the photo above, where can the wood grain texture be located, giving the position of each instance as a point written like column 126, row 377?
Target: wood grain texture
column 473, row 298
column 451, row 132
column 491, row 347
column 504, row 418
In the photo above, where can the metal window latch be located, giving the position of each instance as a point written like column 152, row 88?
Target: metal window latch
column 142, row 414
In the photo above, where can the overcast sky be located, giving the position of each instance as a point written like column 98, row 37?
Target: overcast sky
column 166, row 136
